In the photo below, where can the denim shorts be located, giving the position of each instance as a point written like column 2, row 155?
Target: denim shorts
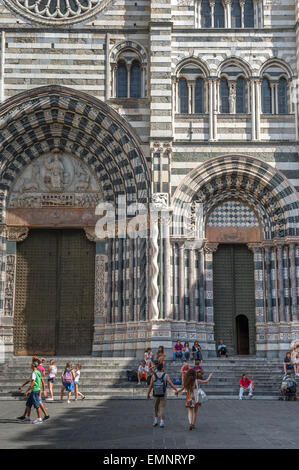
column 51, row 380
column 33, row 399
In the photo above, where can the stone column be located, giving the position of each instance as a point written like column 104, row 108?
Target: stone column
column 215, row 86
column 242, row 5
column 253, row 118
column 107, row 65
column 292, row 254
column 258, row 108
column 269, row 316
column 155, row 267
column 281, row 309
column 181, row 315
column 191, row 285
column 260, row 313
column 228, row 9
column 166, row 220
column 212, row 5
column 209, row 249
column 211, row 94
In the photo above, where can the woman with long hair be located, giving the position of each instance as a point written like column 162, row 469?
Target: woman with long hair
column 190, row 384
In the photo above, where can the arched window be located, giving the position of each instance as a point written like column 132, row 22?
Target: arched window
column 282, row 90
column 121, row 80
column 199, row 96
column 206, row 14
column 183, row 96
column 236, row 14
column 266, row 97
column 218, row 14
column 248, row 14
column 241, row 96
column 135, row 80
column 224, row 96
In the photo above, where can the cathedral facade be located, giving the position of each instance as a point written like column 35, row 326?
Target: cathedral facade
column 149, row 175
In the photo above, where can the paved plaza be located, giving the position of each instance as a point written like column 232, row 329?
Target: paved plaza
column 127, row 424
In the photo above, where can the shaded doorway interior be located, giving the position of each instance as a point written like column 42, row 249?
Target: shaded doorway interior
column 242, row 331
column 234, row 298
column 54, row 294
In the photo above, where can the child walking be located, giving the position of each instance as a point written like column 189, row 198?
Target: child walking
column 52, row 372
column 76, row 382
column 67, row 380
column 190, row 384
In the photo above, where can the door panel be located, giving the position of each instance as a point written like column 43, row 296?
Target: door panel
column 233, row 294
column 54, row 300
column 35, row 294
column 77, row 268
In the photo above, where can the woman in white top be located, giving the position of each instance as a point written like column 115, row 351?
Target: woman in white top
column 76, row 382
column 52, row 372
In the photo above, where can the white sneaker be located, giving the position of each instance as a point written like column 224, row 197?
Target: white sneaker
column 250, row 395
column 26, row 418
column 49, row 399
column 155, row 423
column 69, row 401
column 162, row 424
column 37, row 421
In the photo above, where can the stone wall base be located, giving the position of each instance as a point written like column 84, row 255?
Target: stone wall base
column 273, row 339
column 131, row 339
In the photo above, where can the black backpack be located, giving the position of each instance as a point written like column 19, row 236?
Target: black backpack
column 132, row 376
column 159, row 385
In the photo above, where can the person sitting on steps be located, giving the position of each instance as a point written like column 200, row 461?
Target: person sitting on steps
column 222, row 349
column 246, row 385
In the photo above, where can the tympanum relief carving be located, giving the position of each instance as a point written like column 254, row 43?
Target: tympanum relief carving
column 56, row 180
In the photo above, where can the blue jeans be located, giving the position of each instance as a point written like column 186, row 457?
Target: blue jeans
column 178, row 355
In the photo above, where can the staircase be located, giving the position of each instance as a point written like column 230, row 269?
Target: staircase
column 103, row 378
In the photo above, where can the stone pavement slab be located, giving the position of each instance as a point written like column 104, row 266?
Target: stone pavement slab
column 127, row 424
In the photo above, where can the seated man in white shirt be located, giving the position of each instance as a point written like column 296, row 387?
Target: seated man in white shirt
column 143, row 371
column 222, row 350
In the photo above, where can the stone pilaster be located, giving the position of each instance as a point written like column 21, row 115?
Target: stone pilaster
column 209, row 249
column 260, row 313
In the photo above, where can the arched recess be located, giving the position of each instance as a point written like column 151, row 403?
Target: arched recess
column 58, row 120
column 247, row 179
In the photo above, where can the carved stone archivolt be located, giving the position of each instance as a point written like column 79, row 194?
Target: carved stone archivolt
column 56, row 180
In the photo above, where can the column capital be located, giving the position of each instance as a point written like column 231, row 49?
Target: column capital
column 16, row 233
column 211, row 247
column 255, row 247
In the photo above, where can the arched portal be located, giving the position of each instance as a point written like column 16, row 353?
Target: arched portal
column 238, row 201
column 62, row 152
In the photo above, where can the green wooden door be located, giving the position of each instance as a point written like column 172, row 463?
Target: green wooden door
column 54, row 296
column 234, row 296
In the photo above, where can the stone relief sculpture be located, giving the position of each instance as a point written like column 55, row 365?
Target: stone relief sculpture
column 56, row 179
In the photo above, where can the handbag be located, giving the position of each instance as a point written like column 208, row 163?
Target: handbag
column 199, row 395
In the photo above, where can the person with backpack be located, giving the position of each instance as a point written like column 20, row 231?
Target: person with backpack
column 193, row 398
column 67, row 379
column 158, row 384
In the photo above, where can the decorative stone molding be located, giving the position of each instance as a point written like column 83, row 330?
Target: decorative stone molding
column 16, row 234
column 10, row 268
column 56, row 12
